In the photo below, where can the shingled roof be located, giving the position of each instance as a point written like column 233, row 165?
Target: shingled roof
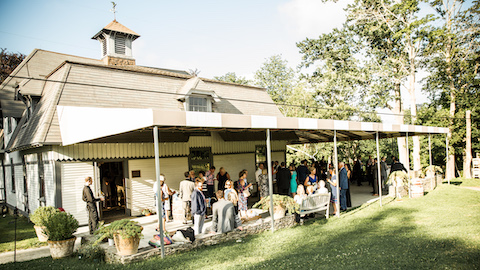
column 117, row 27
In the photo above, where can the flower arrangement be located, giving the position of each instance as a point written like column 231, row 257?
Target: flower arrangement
column 146, row 212
column 282, row 201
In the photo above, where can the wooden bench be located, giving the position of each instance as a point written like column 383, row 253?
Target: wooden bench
column 315, row 203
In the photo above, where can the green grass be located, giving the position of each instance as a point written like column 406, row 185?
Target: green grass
column 438, row 231
column 465, row 182
column 26, row 237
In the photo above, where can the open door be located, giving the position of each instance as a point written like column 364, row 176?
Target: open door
column 112, row 186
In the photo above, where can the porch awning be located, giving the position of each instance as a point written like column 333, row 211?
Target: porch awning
column 115, row 125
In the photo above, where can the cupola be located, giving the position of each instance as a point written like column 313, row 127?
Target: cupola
column 116, row 44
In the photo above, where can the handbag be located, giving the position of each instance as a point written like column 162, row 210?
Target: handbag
column 246, row 193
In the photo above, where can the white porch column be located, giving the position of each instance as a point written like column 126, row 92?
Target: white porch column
column 408, row 168
column 159, row 189
column 379, row 175
column 270, row 180
column 336, row 171
column 446, row 158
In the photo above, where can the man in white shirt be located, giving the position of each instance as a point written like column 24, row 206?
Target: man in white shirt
column 259, row 172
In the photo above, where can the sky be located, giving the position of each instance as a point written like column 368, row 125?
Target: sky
column 214, row 37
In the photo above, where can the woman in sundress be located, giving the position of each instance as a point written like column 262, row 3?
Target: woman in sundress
column 263, row 184
column 242, row 199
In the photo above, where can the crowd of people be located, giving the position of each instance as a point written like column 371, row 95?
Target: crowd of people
column 228, row 202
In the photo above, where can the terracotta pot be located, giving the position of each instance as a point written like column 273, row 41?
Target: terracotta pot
column 40, row 230
column 61, row 249
column 126, row 246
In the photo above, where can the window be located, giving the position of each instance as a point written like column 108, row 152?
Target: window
column 41, row 178
column 104, row 46
column 119, row 44
column 12, row 170
column 200, row 159
column 9, row 125
column 260, row 154
column 199, row 104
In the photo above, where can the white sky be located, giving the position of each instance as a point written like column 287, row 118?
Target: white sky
column 215, row 37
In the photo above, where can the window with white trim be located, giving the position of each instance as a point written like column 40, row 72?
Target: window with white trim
column 199, row 104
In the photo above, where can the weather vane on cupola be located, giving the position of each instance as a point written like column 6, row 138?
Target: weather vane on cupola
column 114, row 11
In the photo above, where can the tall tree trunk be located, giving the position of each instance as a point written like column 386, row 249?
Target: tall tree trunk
column 417, row 166
column 401, row 141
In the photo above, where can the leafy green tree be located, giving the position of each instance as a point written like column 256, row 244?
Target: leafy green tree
column 453, row 66
column 275, row 76
column 233, row 78
column 380, row 22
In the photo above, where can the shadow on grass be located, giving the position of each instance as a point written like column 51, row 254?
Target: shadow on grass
column 456, row 183
column 24, row 229
column 376, row 243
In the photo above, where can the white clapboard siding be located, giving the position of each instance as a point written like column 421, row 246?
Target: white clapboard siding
column 140, row 189
column 73, row 181
column 234, row 163
column 33, row 184
column 49, row 175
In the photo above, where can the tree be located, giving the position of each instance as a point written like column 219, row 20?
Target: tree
column 233, row 78
column 276, row 77
column 379, row 22
column 8, row 62
column 453, row 67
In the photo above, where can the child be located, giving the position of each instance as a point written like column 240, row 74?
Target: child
column 300, row 196
column 322, row 189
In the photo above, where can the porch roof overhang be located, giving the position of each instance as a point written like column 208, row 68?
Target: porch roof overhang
column 121, row 125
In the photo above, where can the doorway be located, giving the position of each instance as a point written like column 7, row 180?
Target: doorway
column 112, row 183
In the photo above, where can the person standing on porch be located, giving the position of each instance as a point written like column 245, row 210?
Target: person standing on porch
column 383, row 171
column 210, row 181
column 199, row 208
column 342, row 173
column 283, row 179
column 91, row 206
column 302, row 171
column 222, row 177
column 184, row 192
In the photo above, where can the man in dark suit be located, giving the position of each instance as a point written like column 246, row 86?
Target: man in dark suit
column 302, row 172
column 91, row 205
column 283, row 179
column 224, row 218
column 343, row 179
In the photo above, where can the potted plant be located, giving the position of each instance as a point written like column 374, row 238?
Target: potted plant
column 146, row 212
column 398, row 179
column 281, row 204
column 126, row 234
column 59, row 229
column 39, row 218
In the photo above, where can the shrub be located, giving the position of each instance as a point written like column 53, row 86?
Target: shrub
column 125, row 227
column 42, row 214
column 91, row 252
column 61, row 226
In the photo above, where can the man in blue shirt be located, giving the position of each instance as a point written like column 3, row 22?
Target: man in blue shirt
column 343, row 179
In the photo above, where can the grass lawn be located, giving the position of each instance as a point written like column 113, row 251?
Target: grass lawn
column 438, row 231
column 26, row 237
